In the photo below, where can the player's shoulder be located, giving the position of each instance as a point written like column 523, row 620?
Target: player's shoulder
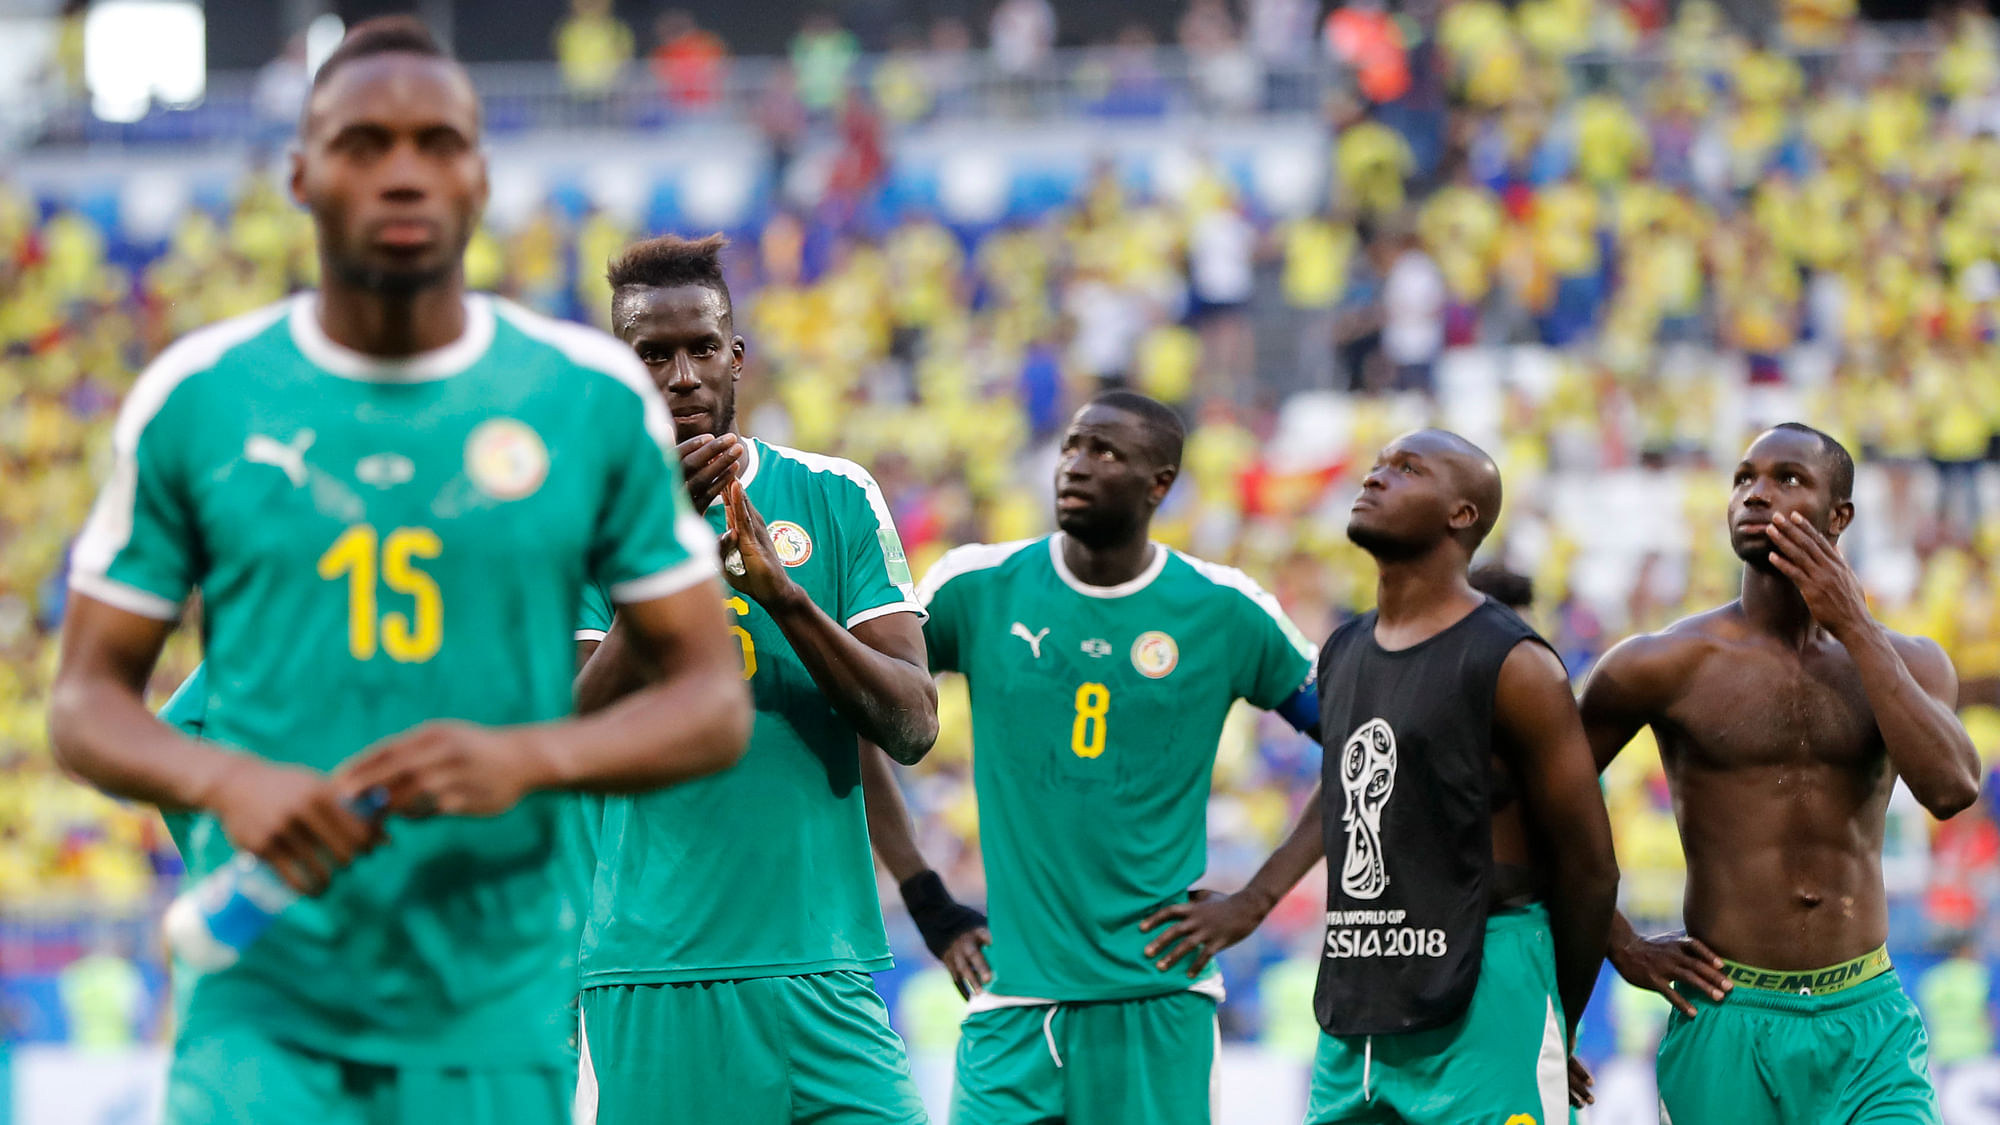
column 1926, row 659
column 1242, row 592
column 1652, row 663
column 206, row 349
column 822, row 470
column 577, row 345
column 973, row 559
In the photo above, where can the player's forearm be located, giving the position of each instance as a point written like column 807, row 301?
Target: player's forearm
column 1303, row 847
column 1925, row 741
column 613, row 672
column 101, row 731
column 888, row 701
column 890, row 830
column 692, row 723
column 1582, row 905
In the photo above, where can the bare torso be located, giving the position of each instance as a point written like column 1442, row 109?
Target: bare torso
column 1780, row 785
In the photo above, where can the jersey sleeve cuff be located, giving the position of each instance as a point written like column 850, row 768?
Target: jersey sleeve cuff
column 131, row 599
column 590, row 634
column 886, row 610
column 665, row 583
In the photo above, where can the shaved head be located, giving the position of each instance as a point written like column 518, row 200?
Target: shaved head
column 1478, row 480
column 1427, row 486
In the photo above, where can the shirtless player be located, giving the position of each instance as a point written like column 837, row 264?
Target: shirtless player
column 1783, row 720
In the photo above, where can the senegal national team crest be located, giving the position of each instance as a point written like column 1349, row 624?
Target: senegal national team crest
column 1154, row 654
column 506, row 459
column 793, row 544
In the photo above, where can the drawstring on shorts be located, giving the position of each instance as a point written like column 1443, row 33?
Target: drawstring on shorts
column 1367, row 1064
column 1049, row 1033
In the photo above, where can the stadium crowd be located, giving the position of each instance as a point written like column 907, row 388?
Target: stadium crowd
column 1632, row 273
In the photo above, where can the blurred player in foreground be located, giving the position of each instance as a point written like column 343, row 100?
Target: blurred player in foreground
column 1469, row 863
column 1102, row 665
column 391, row 495
column 1784, row 720
column 734, row 922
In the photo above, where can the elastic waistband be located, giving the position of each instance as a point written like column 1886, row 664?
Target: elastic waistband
column 1811, row 982
column 1869, row 991
column 1533, row 916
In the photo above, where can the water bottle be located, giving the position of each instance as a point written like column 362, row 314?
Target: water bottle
column 209, row 925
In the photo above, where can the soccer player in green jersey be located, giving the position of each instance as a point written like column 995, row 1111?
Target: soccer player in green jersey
column 733, row 922
column 1102, row 666
column 391, row 495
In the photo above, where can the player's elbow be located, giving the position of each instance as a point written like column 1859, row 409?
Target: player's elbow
column 1951, row 796
column 913, row 732
column 69, row 715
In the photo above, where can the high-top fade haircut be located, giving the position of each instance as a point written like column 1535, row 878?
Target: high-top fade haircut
column 668, row 262
column 383, row 35
column 1839, row 462
column 1165, row 432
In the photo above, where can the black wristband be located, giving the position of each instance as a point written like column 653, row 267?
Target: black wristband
column 939, row 917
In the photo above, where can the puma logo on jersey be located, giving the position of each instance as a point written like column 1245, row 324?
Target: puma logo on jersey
column 1034, row 639
column 289, row 458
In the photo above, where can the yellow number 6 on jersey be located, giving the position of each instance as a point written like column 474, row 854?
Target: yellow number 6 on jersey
column 742, row 609
column 1086, row 735
column 408, row 638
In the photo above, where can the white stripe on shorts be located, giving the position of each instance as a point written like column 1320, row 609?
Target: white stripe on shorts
column 584, row 1111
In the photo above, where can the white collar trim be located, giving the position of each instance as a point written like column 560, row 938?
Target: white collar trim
column 438, row 363
column 1130, row 586
column 752, row 459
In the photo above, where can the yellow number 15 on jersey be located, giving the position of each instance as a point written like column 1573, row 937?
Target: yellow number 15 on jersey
column 408, row 638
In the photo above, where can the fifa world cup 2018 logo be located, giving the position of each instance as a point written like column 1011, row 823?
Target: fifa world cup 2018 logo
column 1368, row 777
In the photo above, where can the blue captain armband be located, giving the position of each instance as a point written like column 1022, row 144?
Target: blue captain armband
column 1302, row 711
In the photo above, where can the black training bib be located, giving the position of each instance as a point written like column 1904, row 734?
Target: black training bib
column 1408, row 820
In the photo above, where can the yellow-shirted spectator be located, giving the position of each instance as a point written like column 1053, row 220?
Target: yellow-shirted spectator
column 1460, row 226
column 1372, row 162
column 598, row 240
column 1317, row 254
column 1168, row 360
column 592, row 47
column 1893, row 123
column 1610, row 140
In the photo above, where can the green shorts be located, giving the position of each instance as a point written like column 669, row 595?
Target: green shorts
column 1505, row 1061
column 1109, row 1062
column 766, row 1051
column 1858, row 1056
column 239, row 1076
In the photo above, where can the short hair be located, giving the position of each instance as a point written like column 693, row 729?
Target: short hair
column 1839, row 462
column 382, row 35
column 1515, row 591
column 1165, row 431
column 669, row 261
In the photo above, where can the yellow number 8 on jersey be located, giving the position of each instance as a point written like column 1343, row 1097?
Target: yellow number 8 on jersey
column 1086, row 735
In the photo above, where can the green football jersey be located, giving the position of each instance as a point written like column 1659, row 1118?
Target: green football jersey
column 379, row 544
column 1096, row 712
column 764, row 869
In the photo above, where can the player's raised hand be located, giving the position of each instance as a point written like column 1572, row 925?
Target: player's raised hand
column 1205, row 925
column 1656, row 963
column 965, row 960
column 709, row 463
column 453, row 769
column 751, row 561
column 292, row 818
column 1832, row 592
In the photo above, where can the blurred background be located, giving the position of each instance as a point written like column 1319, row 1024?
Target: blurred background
column 1608, row 240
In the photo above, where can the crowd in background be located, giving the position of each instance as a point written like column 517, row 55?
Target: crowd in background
column 1635, row 264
